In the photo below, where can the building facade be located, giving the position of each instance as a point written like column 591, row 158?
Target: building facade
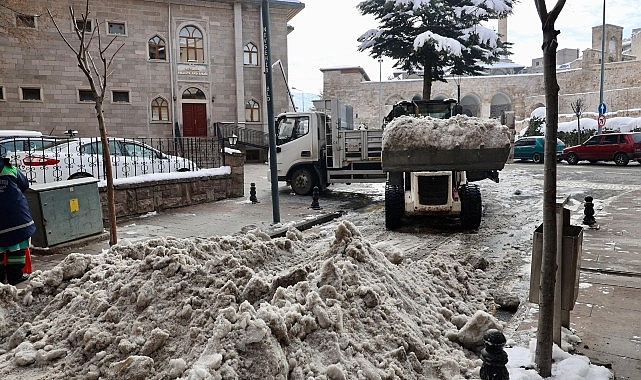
column 185, row 67
column 490, row 95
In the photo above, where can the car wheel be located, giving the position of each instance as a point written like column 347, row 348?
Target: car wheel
column 572, row 158
column 302, row 181
column 621, row 159
column 537, row 158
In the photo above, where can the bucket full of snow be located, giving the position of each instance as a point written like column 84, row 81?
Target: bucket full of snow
column 458, row 143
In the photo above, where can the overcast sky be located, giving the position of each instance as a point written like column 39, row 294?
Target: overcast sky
column 325, row 34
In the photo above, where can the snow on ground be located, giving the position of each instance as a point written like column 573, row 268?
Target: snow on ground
column 461, row 132
column 327, row 305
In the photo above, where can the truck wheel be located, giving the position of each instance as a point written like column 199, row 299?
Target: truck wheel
column 394, row 206
column 572, row 158
column 302, row 181
column 537, row 158
column 621, row 159
column 471, row 207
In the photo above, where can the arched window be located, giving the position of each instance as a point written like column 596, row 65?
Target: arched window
column 193, row 93
column 191, row 45
column 157, row 48
column 252, row 111
column 250, row 54
column 159, row 109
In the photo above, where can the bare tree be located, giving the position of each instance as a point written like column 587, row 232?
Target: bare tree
column 578, row 106
column 548, row 262
column 97, row 78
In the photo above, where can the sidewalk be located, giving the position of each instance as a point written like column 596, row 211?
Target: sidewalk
column 608, row 306
column 606, row 315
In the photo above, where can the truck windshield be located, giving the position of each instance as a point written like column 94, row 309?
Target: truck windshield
column 291, row 128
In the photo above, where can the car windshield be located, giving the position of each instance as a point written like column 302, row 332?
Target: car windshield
column 636, row 137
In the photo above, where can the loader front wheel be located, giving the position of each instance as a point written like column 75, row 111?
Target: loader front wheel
column 394, row 206
column 471, row 206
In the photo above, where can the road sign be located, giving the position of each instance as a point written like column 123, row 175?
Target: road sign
column 602, row 108
column 601, row 120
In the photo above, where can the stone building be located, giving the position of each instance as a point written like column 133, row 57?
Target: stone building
column 490, row 95
column 185, row 67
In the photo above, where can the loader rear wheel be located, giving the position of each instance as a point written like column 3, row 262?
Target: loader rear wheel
column 471, row 206
column 394, row 206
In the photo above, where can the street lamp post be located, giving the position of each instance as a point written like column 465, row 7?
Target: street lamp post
column 233, row 139
column 602, row 64
column 380, row 91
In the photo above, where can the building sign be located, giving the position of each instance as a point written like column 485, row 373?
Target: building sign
column 192, row 70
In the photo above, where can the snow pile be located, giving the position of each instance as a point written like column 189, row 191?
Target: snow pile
column 246, row 307
column 458, row 132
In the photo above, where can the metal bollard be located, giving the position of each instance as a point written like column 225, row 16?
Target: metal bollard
column 588, row 219
column 494, row 357
column 252, row 193
column 315, row 205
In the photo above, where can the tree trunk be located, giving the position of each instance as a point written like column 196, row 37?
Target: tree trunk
column 106, row 160
column 549, row 255
column 427, row 81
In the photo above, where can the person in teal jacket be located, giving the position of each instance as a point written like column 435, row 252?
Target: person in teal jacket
column 16, row 223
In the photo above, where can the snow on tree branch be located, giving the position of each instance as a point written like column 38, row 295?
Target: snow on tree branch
column 440, row 43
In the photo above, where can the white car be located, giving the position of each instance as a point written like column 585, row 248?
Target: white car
column 82, row 157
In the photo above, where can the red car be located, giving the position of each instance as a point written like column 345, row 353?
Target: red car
column 617, row 147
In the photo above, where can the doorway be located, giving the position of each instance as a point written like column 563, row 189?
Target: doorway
column 194, row 106
column 194, row 120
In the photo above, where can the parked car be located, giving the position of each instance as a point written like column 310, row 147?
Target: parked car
column 617, row 147
column 532, row 148
column 29, row 144
column 82, row 157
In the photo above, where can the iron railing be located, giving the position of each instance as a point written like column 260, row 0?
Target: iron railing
column 47, row 159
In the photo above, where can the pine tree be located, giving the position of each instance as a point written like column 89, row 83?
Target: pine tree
column 435, row 37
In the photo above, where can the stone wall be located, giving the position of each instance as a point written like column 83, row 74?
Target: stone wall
column 525, row 92
column 141, row 198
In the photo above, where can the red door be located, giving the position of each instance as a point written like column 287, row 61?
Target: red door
column 194, row 120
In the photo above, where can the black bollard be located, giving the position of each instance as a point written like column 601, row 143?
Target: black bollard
column 494, row 357
column 588, row 219
column 315, row 205
column 252, row 193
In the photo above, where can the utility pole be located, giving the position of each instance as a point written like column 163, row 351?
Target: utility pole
column 270, row 112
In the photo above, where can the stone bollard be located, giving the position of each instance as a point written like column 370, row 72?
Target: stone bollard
column 588, row 219
column 315, row 205
column 494, row 357
column 252, row 193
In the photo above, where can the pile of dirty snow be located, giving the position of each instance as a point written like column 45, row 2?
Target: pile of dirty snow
column 458, row 132
column 248, row 307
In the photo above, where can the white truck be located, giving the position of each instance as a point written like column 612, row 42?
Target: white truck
column 322, row 147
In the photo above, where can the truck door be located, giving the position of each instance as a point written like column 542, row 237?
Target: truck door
column 295, row 140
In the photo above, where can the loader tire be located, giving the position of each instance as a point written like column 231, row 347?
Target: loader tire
column 394, row 206
column 471, row 206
